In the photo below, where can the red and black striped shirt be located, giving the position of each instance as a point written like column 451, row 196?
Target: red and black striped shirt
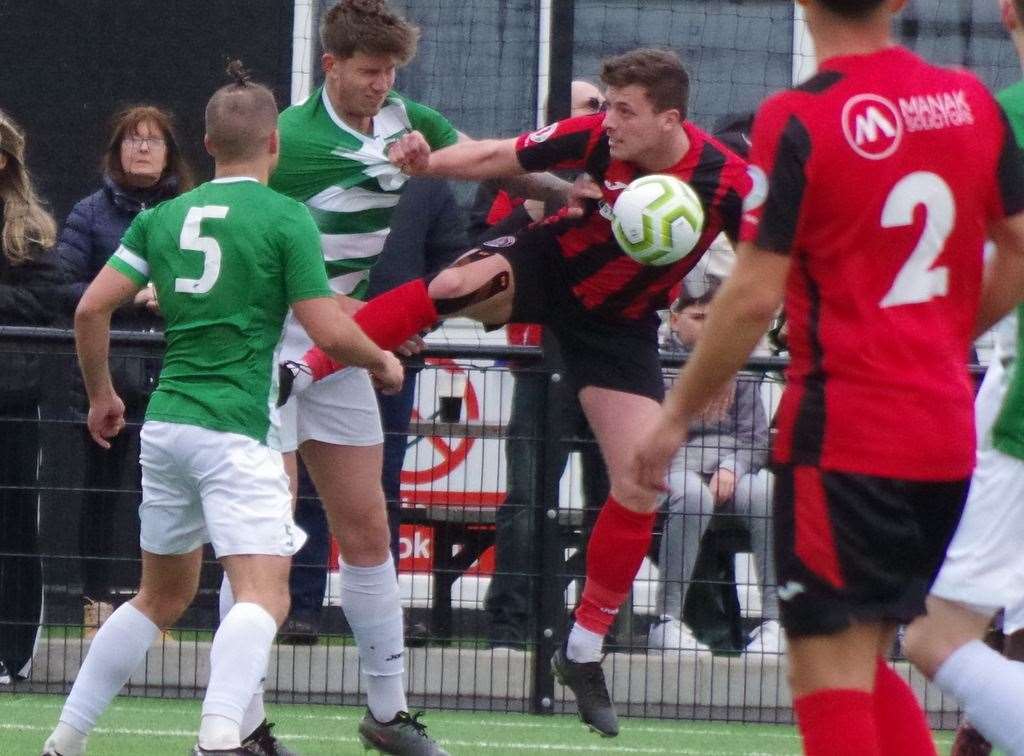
column 603, row 278
column 879, row 177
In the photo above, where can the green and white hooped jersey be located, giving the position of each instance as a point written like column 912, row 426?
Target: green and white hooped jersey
column 1008, row 430
column 227, row 260
column 345, row 179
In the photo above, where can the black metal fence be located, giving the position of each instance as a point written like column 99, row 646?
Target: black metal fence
column 500, row 485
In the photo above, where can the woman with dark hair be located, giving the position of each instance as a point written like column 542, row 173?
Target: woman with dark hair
column 142, row 166
column 29, row 278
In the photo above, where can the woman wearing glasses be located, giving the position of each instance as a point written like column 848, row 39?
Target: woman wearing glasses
column 142, row 166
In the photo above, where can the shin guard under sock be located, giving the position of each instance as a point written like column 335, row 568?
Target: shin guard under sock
column 899, row 719
column 617, row 547
column 837, row 722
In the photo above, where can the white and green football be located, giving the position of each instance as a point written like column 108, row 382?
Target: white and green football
column 658, row 219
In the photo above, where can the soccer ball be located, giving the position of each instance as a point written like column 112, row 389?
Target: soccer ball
column 658, row 219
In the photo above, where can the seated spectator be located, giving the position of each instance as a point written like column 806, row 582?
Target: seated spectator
column 29, row 276
column 142, row 166
column 718, row 470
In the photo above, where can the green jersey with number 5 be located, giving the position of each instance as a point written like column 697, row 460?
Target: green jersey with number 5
column 227, row 259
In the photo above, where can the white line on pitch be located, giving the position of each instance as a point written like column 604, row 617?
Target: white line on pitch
column 601, row 748
column 669, row 727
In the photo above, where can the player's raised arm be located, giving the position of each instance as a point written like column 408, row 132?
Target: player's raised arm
column 469, row 159
column 338, row 335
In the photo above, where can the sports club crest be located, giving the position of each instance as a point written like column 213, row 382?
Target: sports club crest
column 872, row 126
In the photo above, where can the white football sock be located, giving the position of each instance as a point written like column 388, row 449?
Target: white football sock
column 255, row 713
column 66, row 740
column 583, row 645
column 991, row 689
column 238, row 661
column 117, row 650
column 373, row 608
column 226, row 597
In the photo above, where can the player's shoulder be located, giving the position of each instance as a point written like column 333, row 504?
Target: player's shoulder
column 417, row 111
column 589, row 128
column 1012, row 97
column 301, row 112
column 714, row 156
column 274, row 205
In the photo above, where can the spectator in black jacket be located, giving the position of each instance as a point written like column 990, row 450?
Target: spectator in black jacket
column 29, row 283
column 142, row 166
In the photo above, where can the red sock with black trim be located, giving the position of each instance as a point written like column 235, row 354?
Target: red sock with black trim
column 900, row 721
column 389, row 319
column 837, row 722
column 617, row 547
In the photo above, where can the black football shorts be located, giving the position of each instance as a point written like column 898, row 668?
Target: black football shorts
column 615, row 354
column 852, row 547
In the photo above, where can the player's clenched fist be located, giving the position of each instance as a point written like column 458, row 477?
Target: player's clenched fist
column 106, row 418
column 387, row 377
column 410, row 154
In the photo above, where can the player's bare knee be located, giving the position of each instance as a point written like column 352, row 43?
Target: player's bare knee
column 163, row 608
column 635, row 498
column 925, row 645
column 447, row 284
column 277, row 603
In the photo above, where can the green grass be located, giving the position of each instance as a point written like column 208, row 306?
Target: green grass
column 159, row 727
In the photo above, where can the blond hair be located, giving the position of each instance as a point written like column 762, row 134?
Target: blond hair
column 26, row 222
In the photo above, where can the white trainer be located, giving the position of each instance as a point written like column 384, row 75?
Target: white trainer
column 767, row 638
column 670, row 634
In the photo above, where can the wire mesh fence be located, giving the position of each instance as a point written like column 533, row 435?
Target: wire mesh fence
column 499, row 485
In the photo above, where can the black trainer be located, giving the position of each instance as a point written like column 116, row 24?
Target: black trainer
column 403, row 736
column 586, row 681
column 243, row 751
column 297, row 631
column 263, row 739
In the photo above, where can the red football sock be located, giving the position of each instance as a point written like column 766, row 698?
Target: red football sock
column 617, row 546
column 389, row 319
column 837, row 722
column 900, row 721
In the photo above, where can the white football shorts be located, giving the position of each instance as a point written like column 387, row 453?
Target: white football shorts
column 201, row 485
column 339, row 409
column 984, row 564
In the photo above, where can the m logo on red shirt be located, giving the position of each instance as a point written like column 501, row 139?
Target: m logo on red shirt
column 872, row 126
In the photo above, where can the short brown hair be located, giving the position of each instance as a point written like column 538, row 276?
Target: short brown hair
column 851, row 9
column 125, row 123
column 371, row 27
column 659, row 72
column 240, row 117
